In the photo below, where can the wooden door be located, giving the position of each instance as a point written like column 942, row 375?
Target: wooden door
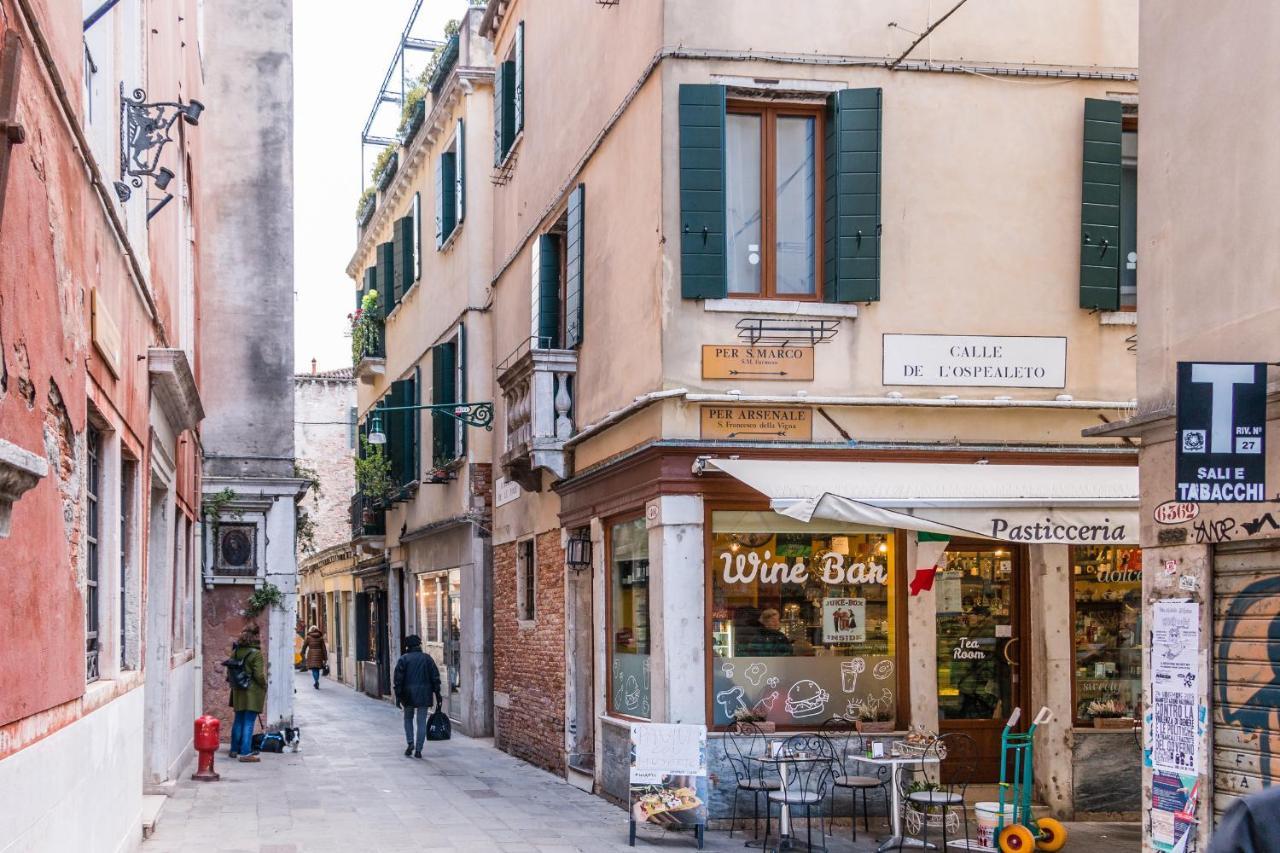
column 980, row 593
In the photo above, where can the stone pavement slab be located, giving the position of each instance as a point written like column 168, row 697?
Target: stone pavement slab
column 352, row 789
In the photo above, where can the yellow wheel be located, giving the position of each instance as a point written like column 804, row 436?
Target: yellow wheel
column 1053, row 835
column 1016, row 839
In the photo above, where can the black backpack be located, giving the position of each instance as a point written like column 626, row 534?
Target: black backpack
column 238, row 675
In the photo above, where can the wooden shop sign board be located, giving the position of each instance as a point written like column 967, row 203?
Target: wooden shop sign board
column 733, row 361
column 758, row 423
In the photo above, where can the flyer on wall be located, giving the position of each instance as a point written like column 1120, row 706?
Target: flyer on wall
column 1175, row 675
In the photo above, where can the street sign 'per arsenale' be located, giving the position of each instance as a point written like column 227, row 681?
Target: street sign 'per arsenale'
column 1221, row 442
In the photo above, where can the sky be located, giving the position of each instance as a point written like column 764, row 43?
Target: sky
column 340, row 56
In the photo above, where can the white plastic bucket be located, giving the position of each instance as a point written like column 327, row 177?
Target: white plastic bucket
column 988, row 815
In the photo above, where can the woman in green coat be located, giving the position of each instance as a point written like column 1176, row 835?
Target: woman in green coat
column 248, row 702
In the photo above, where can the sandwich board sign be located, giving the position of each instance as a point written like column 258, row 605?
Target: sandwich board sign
column 669, row 777
column 1221, row 441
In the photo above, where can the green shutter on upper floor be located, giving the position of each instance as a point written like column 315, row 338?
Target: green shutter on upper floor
column 386, row 255
column 402, row 236
column 460, row 387
column 446, row 170
column 504, row 125
column 703, row 274
column 460, row 173
column 1100, row 205
column 547, row 294
column 517, row 79
column 443, row 390
column 573, row 246
column 416, row 423
column 851, row 216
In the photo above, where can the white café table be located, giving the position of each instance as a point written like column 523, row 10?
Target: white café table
column 783, row 761
column 895, row 763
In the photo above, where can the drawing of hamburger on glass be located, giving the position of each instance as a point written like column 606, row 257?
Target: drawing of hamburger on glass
column 805, row 699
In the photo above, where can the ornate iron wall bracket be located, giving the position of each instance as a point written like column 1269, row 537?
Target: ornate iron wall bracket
column 144, row 131
column 471, row 414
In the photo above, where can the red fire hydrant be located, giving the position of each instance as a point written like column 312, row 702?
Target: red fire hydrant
column 206, row 739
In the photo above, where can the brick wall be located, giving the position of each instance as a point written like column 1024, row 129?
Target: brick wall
column 528, row 663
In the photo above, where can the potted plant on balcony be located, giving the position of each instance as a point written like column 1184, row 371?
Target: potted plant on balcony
column 384, row 168
column 373, row 474
column 364, row 328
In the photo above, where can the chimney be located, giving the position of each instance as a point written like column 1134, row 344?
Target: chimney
column 313, row 367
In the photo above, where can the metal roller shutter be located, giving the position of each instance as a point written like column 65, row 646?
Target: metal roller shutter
column 1246, row 671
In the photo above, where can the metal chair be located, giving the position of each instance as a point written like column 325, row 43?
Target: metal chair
column 958, row 753
column 744, row 741
column 849, row 744
column 808, row 782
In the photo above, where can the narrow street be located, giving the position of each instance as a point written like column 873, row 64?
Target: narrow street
column 350, row 788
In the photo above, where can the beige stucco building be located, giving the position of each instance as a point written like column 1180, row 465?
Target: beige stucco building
column 1224, row 558
column 785, row 291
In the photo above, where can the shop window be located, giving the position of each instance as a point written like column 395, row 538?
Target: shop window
column 526, row 582
column 1107, row 583
column 771, row 179
column 803, row 621
column 429, row 608
column 629, row 619
column 976, row 595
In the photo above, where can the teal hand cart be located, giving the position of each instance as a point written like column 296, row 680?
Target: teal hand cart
column 1025, row 833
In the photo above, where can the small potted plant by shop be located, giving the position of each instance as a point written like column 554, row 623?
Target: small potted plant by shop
column 746, row 715
column 1110, row 714
column 875, row 718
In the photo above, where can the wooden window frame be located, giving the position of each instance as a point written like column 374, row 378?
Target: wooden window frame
column 609, row 524
column 901, row 651
column 526, row 581
column 1076, row 720
column 769, row 114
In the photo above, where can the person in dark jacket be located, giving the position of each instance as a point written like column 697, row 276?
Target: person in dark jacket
column 1251, row 825
column 249, row 701
column 416, row 683
column 315, row 654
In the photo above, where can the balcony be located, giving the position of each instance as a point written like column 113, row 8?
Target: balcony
column 368, row 351
column 367, row 521
column 537, row 388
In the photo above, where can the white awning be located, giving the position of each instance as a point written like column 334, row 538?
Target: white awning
column 1075, row 504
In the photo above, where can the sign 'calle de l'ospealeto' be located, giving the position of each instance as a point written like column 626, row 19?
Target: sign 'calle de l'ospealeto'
column 1221, row 442
column 735, row 361
column 758, row 423
column 975, row 360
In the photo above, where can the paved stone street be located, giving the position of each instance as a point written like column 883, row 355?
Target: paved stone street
column 350, row 788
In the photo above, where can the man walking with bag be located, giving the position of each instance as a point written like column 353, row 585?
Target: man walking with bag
column 416, row 684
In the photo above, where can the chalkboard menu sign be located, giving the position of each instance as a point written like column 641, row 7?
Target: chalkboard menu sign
column 669, row 777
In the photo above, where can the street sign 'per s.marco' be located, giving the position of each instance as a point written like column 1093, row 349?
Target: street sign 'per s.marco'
column 1221, row 440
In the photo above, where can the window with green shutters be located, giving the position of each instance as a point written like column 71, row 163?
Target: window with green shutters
column 508, row 99
column 402, row 237
column 779, row 201
column 444, row 389
column 416, row 213
column 544, row 296
column 386, row 268
column 1100, row 198
column 400, row 429
column 459, row 173
column 573, row 246
column 446, row 210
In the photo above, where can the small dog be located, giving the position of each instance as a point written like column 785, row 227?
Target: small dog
column 293, row 738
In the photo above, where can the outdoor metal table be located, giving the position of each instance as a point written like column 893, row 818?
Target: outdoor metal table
column 783, row 763
column 895, row 763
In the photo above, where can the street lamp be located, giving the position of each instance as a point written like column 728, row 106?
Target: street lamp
column 376, row 435
column 145, row 129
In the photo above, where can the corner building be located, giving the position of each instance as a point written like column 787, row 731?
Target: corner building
column 777, row 310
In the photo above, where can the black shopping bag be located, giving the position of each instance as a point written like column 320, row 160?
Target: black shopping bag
column 438, row 726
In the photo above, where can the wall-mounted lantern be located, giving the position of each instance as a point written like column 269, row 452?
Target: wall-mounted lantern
column 144, row 132
column 577, row 551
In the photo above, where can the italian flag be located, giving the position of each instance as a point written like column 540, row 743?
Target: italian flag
column 929, row 550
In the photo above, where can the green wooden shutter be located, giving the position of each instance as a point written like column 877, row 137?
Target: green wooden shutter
column 504, row 124
column 398, row 432
column 440, row 235
column 1100, row 206
column 386, row 254
column 402, row 236
column 460, row 388
column 851, row 242
column 443, row 390
column 573, row 269
column 517, row 93
column 416, row 423
column 417, row 236
column 547, row 306
column 703, row 274
column 460, row 176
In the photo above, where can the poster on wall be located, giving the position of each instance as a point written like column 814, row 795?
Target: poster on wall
column 1175, row 676
column 844, row 621
column 1222, row 422
column 668, row 776
column 950, row 597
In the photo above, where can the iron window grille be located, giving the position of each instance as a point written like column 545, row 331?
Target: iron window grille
column 92, row 510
